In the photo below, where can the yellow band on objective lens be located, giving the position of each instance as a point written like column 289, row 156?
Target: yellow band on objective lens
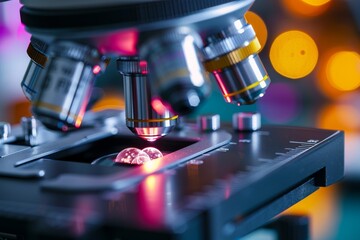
column 152, row 120
column 233, row 57
column 247, row 88
column 36, row 56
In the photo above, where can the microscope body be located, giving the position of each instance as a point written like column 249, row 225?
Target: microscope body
column 165, row 52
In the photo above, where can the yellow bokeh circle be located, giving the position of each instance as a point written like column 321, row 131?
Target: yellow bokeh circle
column 339, row 116
column 294, row 54
column 316, row 3
column 306, row 8
column 343, row 70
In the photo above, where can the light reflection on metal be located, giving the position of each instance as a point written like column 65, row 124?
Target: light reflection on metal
column 151, row 199
column 222, row 86
column 120, row 42
column 151, row 166
column 227, row 192
column 84, row 211
column 96, row 69
column 196, row 71
column 159, row 106
column 141, row 118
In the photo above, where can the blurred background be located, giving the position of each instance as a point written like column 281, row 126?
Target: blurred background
column 311, row 50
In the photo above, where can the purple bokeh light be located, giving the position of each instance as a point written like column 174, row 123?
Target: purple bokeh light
column 280, row 103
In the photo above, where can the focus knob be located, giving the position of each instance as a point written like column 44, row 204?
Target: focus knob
column 246, row 121
column 30, row 130
column 208, row 123
column 5, row 129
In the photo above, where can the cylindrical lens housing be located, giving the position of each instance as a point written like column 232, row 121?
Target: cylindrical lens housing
column 177, row 74
column 66, row 85
column 31, row 82
column 232, row 57
column 141, row 118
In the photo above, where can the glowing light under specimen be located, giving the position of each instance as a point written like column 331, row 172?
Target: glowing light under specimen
column 136, row 156
column 152, row 152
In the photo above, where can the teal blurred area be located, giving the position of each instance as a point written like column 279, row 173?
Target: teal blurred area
column 307, row 101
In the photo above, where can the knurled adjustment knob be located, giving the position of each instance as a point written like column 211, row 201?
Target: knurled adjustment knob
column 131, row 65
column 246, row 121
column 208, row 123
column 5, row 130
column 30, row 130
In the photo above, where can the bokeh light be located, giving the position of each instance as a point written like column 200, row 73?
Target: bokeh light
column 123, row 42
column 294, row 54
column 338, row 73
column 322, row 209
column 344, row 116
column 343, row 70
column 306, row 8
column 12, row 21
column 316, row 3
column 339, row 116
column 259, row 27
column 158, row 105
column 109, row 101
column 280, row 104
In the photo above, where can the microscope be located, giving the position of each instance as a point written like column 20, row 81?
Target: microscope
column 72, row 173
column 175, row 46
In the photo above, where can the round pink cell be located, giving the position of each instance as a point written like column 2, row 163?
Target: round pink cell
column 152, row 152
column 141, row 158
column 132, row 156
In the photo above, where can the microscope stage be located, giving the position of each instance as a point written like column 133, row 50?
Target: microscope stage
column 212, row 185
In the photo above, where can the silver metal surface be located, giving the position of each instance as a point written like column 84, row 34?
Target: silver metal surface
column 141, row 118
column 244, row 82
column 208, row 123
column 31, row 83
column 208, row 21
column 237, row 35
column 30, row 130
column 174, row 60
column 232, row 57
column 67, row 84
column 123, row 180
column 5, row 130
column 246, row 121
column 71, row 4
